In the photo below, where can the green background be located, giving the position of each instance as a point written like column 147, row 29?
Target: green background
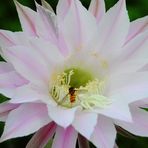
column 9, row 21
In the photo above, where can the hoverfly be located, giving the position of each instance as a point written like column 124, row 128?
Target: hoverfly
column 72, row 95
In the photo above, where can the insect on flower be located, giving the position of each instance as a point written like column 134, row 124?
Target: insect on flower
column 72, row 94
column 84, row 74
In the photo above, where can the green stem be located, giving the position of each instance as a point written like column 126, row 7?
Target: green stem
column 83, row 142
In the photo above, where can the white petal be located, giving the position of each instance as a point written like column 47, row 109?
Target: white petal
column 76, row 26
column 121, row 81
column 10, row 80
column 104, row 134
column 119, row 109
column 48, row 24
column 27, row 18
column 62, row 9
column 7, row 38
column 134, row 55
column 65, row 138
column 62, row 116
column 5, row 108
column 97, row 8
column 47, row 6
column 41, row 137
column 28, row 93
column 5, row 67
column 136, row 27
column 25, row 120
column 50, row 53
column 115, row 26
column 82, row 123
column 133, row 89
column 139, row 126
column 29, row 63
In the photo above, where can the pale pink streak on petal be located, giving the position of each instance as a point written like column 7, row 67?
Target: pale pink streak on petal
column 62, row 116
column 104, row 134
column 138, row 26
column 7, row 38
column 111, row 38
column 134, row 55
column 97, row 8
column 139, row 126
column 5, row 108
column 79, row 18
column 41, row 137
column 50, row 52
column 62, row 44
column 121, row 81
column 25, row 120
column 10, row 80
column 28, row 93
column 62, row 9
column 65, row 138
column 136, row 49
column 49, row 25
column 145, row 68
column 5, row 67
column 131, row 91
column 29, row 63
column 82, row 123
column 111, row 111
column 27, row 18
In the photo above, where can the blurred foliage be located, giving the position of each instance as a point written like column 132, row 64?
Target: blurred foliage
column 9, row 21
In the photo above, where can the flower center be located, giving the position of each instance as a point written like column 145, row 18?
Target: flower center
column 77, row 87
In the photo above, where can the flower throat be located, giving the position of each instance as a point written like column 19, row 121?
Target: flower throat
column 77, row 87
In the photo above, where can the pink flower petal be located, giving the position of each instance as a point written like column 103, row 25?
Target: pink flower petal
column 121, row 81
column 138, row 26
column 7, row 38
column 62, row 9
column 104, row 134
column 10, row 80
column 29, row 93
column 50, row 53
column 41, row 138
column 114, row 112
column 5, row 67
column 82, row 123
column 26, row 119
column 97, row 8
column 133, row 89
column 62, row 116
column 79, row 18
column 65, row 138
column 47, row 20
column 5, row 108
column 111, row 38
column 139, row 126
column 29, row 63
column 134, row 55
column 27, row 18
